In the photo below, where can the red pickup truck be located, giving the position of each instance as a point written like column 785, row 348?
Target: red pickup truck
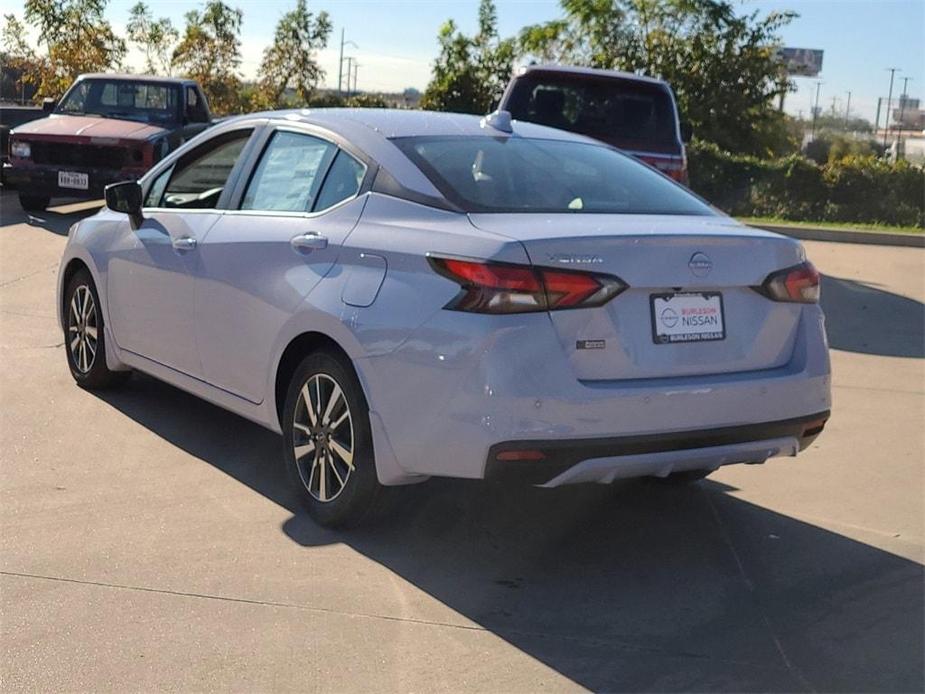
column 106, row 128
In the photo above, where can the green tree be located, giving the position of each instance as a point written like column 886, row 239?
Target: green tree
column 210, row 53
column 470, row 71
column 722, row 66
column 289, row 62
column 23, row 68
column 155, row 37
column 77, row 39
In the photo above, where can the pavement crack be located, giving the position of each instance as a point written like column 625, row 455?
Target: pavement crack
column 28, row 275
column 501, row 631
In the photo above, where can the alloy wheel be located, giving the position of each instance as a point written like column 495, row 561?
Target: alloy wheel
column 82, row 329
column 323, row 441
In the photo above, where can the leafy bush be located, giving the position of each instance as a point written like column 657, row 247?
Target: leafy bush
column 853, row 188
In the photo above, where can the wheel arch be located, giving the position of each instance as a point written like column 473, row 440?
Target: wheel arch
column 73, row 266
column 298, row 348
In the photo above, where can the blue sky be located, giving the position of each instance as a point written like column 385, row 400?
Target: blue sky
column 397, row 39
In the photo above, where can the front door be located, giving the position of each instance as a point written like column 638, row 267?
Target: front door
column 150, row 288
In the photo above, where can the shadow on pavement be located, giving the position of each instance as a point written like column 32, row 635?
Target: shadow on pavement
column 57, row 219
column 635, row 587
column 862, row 318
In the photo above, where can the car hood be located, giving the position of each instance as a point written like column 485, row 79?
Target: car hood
column 63, row 126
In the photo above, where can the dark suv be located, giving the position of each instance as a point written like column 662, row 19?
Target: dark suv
column 635, row 113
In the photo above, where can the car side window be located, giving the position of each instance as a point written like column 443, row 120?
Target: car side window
column 199, row 177
column 342, row 181
column 289, row 173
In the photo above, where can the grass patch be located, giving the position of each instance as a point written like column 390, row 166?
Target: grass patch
column 835, row 226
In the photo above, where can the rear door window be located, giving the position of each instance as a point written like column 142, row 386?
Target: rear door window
column 342, row 181
column 289, row 174
column 621, row 112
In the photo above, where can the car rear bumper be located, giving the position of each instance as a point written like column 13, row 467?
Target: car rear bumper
column 43, row 180
column 457, row 390
column 555, row 462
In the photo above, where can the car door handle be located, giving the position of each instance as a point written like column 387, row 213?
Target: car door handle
column 184, row 243
column 309, row 242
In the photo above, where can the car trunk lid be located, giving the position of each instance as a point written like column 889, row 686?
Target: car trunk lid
column 713, row 263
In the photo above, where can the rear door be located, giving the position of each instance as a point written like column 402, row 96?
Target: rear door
column 262, row 259
column 150, row 278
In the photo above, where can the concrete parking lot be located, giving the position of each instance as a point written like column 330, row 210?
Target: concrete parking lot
column 149, row 540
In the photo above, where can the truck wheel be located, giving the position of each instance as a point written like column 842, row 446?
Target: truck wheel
column 34, row 203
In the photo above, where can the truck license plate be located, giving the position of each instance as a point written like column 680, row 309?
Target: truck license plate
column 72, row 179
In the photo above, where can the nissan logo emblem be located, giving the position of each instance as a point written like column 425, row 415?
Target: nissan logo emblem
column 700, row 264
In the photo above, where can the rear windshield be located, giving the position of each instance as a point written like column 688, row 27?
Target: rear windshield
column 147, row 102
column 517, row 174
column 621, row 112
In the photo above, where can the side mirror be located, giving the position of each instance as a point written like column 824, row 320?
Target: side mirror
column 48, row 105
column 687, row 132
column 125, row 197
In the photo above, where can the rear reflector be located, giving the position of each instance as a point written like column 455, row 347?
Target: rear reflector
column 815, row 427
column 520, row 455
column 799, row 283
column 489, row 287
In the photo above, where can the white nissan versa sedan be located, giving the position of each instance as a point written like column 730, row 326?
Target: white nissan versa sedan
column 404, row 294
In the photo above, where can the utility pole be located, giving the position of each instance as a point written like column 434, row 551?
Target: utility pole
column 356, row 66
column 902, row 111
column 815, row 111
column 349, row 60
column 889, row 100
column 340, row 63
column 848, row 110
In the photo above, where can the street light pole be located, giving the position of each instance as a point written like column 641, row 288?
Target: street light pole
column 349, row 60
column 815, row 111
column 848, row 111
column 356, row 67
column 902, row 111
column 889, row 99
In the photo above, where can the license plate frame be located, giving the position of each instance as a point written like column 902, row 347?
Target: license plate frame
column 666, row 332
column 74, row 180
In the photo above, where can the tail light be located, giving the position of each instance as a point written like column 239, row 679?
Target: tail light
column 799, row 283
column 489, row 287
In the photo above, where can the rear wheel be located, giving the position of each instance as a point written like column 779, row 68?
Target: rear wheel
column 34, row 203
column 84, row 338
column 328, row 441
column 684, row 477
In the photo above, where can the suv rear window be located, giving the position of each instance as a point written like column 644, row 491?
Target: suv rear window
column 622, row 112
column 518, row 174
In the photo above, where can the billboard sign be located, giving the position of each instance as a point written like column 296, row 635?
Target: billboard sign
column 801, row 62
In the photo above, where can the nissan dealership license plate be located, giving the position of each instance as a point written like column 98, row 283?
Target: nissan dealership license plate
column 687, row 317
column 72, row 179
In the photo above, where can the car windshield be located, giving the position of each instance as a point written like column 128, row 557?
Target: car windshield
column 618, row 111
column 517, row 174
column 147, row 102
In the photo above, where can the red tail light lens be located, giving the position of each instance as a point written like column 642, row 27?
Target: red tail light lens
column 487, row 287
column 799, row 283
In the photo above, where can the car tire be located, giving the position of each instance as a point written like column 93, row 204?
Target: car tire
column 683, row 477
column 85, row 336
column 328, row 442
column 33, row 203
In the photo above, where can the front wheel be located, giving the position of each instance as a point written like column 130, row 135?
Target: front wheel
column 34, row 203
column 328, row 441
column 84, row 337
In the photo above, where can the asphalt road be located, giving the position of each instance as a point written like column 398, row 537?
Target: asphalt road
column 149, row 540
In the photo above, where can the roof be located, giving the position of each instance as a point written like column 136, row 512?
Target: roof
column 394, row 123
column 590, row 72
column 371, row 130
column 135, row 78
